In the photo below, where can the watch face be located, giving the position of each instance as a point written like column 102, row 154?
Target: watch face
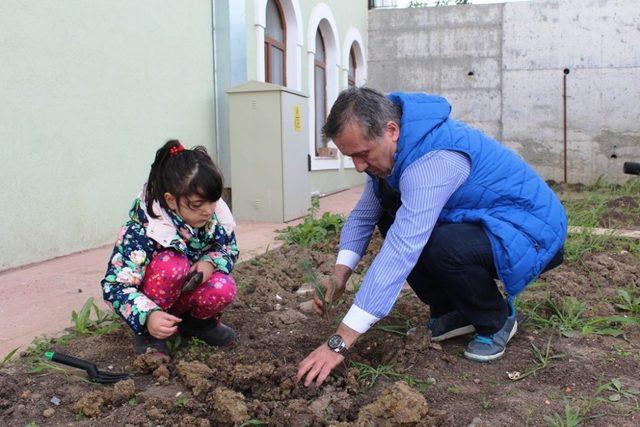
column 334, row 341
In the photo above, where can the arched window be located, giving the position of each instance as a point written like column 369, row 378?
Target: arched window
column 352, row 68
column 320, row 94
column 275, row 34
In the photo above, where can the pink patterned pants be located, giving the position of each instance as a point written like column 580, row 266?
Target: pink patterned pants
column 163, row 281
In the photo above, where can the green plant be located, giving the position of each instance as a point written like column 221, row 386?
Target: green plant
column 181, row 402
column 368, row 375
column 34, row 359
column 568, row 316
column 132, row 401
column 571, row 416
column 83, row 324
column 253, row 422
column 173, row 343
column 628, row 300
column 541, row 361
column 313, row 230
column 485, row 404
column 310, row 275
column 198, row 349
column 8, row 357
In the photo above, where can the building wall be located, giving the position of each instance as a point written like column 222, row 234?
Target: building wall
column 89, row 91
column 339, row 175
column 517, row 53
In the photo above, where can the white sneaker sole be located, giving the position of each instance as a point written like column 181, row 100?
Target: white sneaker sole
column 454, row 333
column 480, row 358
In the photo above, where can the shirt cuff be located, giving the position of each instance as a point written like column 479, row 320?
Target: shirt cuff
column 359, row 320
column 348, row 258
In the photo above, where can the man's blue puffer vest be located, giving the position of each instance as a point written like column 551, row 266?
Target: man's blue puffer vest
column 522, row 216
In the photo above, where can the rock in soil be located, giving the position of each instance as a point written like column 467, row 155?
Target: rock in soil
column 230, row 407
column 123, row 391
column 91, row 403
column 48, row 413
column 288, row 317
column 195, row 375
column 150, row 361
column 398, row 405
column 161, row 374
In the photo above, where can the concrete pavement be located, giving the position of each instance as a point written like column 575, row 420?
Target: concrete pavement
column 39, row 298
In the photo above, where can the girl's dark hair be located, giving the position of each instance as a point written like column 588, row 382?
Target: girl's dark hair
column 181, row 173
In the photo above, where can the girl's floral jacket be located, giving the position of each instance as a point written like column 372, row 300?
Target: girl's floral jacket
column 142, row 237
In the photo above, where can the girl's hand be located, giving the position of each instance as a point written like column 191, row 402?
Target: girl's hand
column 205, row 267
column 162, row 325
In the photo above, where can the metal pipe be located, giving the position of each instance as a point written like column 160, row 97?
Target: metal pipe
column 564, row 114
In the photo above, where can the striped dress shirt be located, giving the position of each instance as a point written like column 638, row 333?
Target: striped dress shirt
column 425, row 187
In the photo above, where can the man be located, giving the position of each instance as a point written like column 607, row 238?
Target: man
column 457, row 211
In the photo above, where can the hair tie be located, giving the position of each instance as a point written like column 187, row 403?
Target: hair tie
column 176, row 149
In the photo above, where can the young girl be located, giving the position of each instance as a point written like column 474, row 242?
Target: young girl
column 178, row 225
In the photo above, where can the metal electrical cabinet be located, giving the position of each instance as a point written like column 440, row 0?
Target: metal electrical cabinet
column 269, row 151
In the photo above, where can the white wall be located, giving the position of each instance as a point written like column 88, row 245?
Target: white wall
column 89, row 91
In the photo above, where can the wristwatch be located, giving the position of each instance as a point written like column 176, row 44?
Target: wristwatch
column 337, row 345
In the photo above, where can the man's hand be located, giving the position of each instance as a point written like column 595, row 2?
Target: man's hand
column 162, row 325
column 318, row 364
column 333, row 288
column 205, row 267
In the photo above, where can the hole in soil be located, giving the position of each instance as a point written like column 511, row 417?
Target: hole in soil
column 470, row 73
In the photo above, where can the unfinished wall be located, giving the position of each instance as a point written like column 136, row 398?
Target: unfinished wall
column 517, row 53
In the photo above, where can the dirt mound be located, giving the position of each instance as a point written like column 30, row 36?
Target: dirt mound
column 398, row 405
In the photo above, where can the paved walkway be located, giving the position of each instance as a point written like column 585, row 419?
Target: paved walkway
column 42, row 296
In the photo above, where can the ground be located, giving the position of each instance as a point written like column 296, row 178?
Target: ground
column 575, row 359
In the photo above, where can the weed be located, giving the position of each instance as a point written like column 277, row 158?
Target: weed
column 105, row 322
column 568, row 316
column 628, row 300
column 173, row 343
column 368, row 375
column 541, row 361
column 253, row 422
column 34, row 358
column 485, row 404
column 8, row 357
column 132, row 401
column 570, row 418
column 198, row 349
column 181, row 402
column 313, row 230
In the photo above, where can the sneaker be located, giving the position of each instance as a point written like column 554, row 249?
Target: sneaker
column 143, row 342
column 212, row 331
column 485, row 348
column 448, row 326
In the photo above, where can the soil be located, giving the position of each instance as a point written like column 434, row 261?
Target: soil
column 255, row 381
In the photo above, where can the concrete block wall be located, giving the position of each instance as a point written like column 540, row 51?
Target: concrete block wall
column 517, row 53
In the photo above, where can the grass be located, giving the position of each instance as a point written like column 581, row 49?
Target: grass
column 542, row 361
column 368, row 375
column 628, row 300
column 569, row 318
column 8, row 357
column 313, row 230
column 84, row 325
column 576, row 413
column 34, row 358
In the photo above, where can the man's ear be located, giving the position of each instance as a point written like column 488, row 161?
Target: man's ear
column 393, row 129
column 171, row 201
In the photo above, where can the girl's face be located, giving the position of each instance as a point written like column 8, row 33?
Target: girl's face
column 193, row 209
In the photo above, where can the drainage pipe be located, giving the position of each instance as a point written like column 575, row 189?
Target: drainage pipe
column 564, row 117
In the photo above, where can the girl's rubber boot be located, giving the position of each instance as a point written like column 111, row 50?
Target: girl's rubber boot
column 212, row 330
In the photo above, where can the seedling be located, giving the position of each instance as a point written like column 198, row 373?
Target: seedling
column 313, row 230
column 542, row 361
column 368, row 375
column 105, row 322
column 628, row 300
column 173, row 343
column 310, row 275
column 8, row 357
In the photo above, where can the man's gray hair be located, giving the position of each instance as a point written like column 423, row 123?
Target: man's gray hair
column 368, row 107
